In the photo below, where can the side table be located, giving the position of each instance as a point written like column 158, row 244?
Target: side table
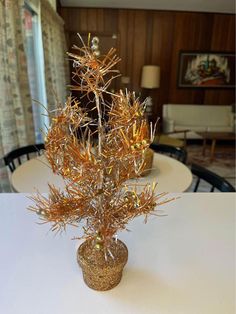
column 214, row 136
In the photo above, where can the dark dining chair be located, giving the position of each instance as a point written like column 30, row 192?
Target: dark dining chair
column 17, row 156
column 175, row 152
column 212, row 178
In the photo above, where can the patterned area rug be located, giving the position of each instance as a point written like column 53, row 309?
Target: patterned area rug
column 223, row 163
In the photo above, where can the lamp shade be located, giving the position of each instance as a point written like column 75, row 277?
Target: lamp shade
column 150, row 76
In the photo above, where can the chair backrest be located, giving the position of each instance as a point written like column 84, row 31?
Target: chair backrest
column 17, row 155
column 212, row 178
column 172, row 151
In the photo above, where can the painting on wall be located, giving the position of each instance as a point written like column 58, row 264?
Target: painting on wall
column 206, row 70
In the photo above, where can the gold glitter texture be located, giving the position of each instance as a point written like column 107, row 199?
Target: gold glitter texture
column 102, row 272
column 148, row 161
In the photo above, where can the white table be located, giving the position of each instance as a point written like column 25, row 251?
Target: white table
column 183, row 263
column 171, row 175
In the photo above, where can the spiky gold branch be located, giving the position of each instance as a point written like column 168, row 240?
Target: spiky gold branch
column 95, row 172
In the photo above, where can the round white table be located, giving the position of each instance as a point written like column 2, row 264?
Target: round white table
column 35, row 174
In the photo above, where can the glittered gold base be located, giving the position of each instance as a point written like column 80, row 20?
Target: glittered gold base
column 102, row 273
column 148, row 159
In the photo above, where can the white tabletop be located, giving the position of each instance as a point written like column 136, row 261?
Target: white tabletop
column 182, row 263
column 171, row 175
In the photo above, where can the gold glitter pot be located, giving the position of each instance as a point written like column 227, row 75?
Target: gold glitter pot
column 102, row 273
column 148, row 159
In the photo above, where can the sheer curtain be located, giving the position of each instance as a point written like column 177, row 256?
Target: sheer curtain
column 55, row 59
column 17, row 122
column 16, row 119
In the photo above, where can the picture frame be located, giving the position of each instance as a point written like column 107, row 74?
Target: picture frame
column 206, row 69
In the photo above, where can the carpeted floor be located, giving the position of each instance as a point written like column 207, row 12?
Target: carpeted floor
column 223, row 164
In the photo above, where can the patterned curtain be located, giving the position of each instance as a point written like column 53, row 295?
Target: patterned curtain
column 55, row 59
column 53, row 4
column 16, row 119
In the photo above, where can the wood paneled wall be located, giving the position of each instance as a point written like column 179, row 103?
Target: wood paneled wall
column 156, row 37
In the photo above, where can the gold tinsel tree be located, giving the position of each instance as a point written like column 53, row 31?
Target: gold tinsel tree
column 96, row 164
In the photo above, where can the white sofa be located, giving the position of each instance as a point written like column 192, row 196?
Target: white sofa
column 197, row 118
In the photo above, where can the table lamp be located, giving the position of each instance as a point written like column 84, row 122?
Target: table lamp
column 150, row 79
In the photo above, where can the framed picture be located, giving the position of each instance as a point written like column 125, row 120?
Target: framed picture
column 206, row 70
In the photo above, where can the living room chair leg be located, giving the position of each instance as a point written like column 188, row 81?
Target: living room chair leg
column 197, row 184
column 204, row 147
column 185, row 139
column 213, row 145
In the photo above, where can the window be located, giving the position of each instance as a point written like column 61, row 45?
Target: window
column 35, row 65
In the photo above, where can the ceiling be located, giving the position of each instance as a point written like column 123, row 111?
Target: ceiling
column 222, row 6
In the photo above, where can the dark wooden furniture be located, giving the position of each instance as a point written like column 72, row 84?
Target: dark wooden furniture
column 175, row 152
column 212, row 178
column 18, row 155
column 213, row 137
